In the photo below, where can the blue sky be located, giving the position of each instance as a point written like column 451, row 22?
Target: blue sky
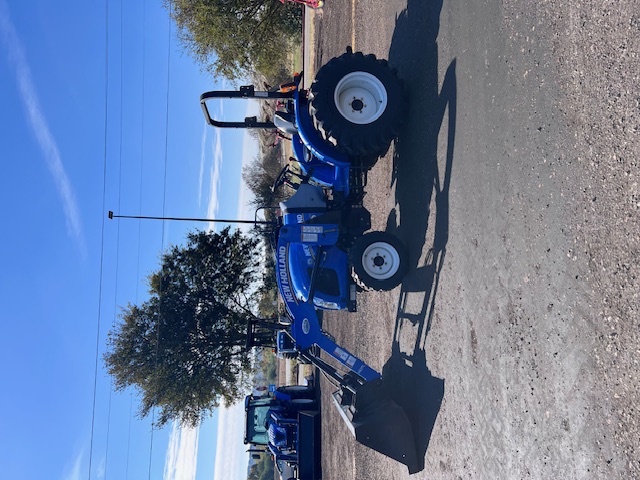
column 58, row 302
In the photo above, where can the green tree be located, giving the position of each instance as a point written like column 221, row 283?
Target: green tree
column 263, row 469
column 259, row 176
column 183, row 349
column 232, row 38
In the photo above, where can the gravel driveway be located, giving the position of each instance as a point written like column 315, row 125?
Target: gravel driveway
column 514, row 342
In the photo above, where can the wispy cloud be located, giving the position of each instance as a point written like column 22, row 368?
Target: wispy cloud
column 35, row 117
column 203, row 156
column 101, row 470
column 249, row 152
column 74, row 470
column 182, row 453
column 214, row 179
column 243, row 209
column 232, row 459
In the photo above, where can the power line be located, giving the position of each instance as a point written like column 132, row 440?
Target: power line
column 142, row 138
column 117, row 260
column 144, row 70
column 104, row 190
column 164, row 205
column 119, row 202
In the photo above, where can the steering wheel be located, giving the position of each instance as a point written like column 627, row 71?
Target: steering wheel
column 282, row 179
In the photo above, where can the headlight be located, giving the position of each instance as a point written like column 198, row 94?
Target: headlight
column 318, row 302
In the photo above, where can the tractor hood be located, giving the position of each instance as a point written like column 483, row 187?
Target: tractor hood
column 303, row 249
column 279, row 436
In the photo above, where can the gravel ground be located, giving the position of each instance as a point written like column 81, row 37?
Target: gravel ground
column 514, row 342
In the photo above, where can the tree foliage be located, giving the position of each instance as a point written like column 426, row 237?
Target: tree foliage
column 235, row 37
column 259, row 176
column 263, row 469
column 183, row 349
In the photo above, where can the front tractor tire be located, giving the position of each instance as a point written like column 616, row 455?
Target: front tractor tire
column 379, row 261
column 357, row 103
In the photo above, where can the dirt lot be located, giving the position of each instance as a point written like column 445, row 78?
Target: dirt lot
column 514, row 342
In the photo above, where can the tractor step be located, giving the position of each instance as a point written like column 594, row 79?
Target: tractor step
column 352, row 305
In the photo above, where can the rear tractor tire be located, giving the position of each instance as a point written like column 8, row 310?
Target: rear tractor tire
column 297, row 392
column 358, row 104
column 303, row 404
column 379, row 261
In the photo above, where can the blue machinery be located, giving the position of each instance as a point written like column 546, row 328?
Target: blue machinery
column 315, row 240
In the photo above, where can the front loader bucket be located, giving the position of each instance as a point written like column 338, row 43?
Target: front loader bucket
column 378, row 422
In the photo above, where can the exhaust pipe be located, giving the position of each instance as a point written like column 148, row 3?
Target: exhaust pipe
column 378, row 422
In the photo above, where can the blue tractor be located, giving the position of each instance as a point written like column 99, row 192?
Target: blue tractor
column 324, row 254
column 286, row 424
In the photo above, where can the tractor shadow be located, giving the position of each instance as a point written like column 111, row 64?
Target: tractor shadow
column 422, row 177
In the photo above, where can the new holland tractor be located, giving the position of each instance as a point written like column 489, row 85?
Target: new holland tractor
column 285, row 423
column 324, row 253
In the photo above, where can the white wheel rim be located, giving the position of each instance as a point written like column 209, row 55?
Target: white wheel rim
column 380, row 260
column 360, row 97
